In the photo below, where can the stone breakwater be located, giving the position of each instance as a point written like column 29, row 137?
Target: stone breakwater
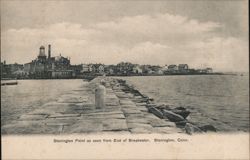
column 126, row 111
column 178, row 115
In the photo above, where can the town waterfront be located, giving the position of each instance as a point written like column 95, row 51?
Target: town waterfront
column 219, row 100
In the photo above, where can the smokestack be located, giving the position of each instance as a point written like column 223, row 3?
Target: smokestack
column 49, row 51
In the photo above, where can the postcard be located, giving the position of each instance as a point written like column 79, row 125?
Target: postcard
column 132, row 79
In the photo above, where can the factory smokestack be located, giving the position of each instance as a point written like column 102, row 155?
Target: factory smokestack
column 49, row 51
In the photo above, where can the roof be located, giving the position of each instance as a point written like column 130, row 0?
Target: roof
column 182, row 65
column 172, row 66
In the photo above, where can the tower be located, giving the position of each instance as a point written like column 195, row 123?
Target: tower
column 42, row 55
column 49, row 51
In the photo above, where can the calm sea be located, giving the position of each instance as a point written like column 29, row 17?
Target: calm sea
column 220, row 100
column 31, row 94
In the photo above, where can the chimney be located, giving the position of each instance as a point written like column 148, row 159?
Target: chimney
column 49, row 51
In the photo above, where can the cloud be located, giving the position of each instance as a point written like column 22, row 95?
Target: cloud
column 158, row 24
column 158, row 27
column 144, row 39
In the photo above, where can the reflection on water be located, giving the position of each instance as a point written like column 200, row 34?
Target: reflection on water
column 31, row 94
column 221, row 100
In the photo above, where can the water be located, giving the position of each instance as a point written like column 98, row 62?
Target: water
column 220, row 100
column 31, row 94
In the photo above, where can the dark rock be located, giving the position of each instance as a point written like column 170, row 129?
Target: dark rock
column 183, row 113
column 163, row 106
column 180, row 108
column 155, row 112
column 151, row 99
column 172, row 116
column 151, row 105
column 181, row 123
column 208, row 128
column 190, row 129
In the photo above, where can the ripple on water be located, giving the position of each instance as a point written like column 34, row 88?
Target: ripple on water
column 220, row 100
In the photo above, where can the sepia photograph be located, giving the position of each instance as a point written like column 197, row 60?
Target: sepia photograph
column 124, row 68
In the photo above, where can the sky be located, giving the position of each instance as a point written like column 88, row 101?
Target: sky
column 201, row 33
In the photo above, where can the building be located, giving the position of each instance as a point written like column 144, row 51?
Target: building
column 76, row 69
column 125, row 68
column 172, row 68
column 97, row 68
column 209, row 70
column 49, row 67
column 86, row 68
column 62, row 74
column 164, row 68
column 137, row 69
column 5, row 70
column 110, row 69
column 183, row 68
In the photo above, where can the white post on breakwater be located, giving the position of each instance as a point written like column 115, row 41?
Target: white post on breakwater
column 100, row 94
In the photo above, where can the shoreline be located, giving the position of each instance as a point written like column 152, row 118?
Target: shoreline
column 91, row 77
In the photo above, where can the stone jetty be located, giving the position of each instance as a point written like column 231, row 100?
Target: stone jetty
column 126, row 111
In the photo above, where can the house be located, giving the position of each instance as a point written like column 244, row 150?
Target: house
column 164, row 68
column 20, row 73
column 160, row 71
column 75, row 68
column 97, row 68
column 101, row 68
column 145, row 69
column 183, row 68
column 110, row 69
column 137, row 69
column 209, row 70
column 86, row 68
column 172, row 68
column 151, row 71
column 15, row 67
column 125, row 67
column 155, row 68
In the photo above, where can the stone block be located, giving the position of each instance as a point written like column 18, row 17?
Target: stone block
column 137, row 120
column 139, row 125
column 131, row 111
column 115, row 125
column 33, row 117
column 30, row 128
column 161, row 123
column 63, row 115
column 84, row 126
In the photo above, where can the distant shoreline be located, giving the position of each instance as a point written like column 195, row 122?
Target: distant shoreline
column 90, row 77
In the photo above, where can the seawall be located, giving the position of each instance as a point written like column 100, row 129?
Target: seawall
column 126, row 111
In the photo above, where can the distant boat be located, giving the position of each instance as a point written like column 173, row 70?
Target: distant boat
column 8, row 82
